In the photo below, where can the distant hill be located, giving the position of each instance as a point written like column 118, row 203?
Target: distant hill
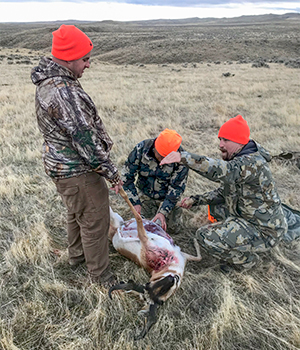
column 268, row 37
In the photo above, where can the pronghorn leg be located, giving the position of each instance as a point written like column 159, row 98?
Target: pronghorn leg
column 140, row 227
column 198, row 257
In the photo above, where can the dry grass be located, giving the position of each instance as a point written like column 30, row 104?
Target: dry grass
column 45, row 305
column 247, row 38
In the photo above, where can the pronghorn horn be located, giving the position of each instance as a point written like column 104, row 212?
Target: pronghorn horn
column 130, row 285
column 149, row 321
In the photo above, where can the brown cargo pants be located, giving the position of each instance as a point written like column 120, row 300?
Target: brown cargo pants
column 86, row 199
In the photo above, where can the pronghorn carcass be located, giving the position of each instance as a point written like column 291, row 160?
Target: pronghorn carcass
column 148, row 245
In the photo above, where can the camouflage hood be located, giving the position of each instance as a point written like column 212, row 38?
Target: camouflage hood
column 263, row 152
column 252, row 147
column 49, row 69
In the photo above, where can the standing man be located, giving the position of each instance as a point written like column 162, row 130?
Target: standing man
column 248, row 211
column 158, row 188
column 76, row 150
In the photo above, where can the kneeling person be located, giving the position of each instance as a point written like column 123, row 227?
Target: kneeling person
column 158, row 187
column 249, row 214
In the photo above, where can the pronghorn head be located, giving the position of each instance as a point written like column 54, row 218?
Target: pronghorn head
column 155, row 292
column 162, row 288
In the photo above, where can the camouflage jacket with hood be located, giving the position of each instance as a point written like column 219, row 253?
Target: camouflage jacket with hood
column 160, row 182
column 247, row 187
column 75, row 139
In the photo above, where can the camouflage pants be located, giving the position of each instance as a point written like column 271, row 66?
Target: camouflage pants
column 149, row 210
column 232, row 239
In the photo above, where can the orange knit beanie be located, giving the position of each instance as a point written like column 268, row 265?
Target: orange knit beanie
column 167, row 141
column 235, row 129
column 69, row 43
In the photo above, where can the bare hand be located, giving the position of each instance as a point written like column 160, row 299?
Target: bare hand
column 138, row 208
column 186, row 203
column 117, row 187
column 162, row 219
column 173, row 157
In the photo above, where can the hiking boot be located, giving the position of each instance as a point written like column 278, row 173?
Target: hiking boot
column 110, row 282
column 106, row 280
column 227, row 267
column 75, row 262
column 107, row 283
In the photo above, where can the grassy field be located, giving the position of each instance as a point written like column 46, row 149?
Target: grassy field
column 274, row 38
column 46, row 305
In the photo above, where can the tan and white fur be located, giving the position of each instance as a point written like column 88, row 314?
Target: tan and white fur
column 154, row 250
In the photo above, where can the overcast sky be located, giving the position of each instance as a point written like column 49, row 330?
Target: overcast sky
column 128, row 10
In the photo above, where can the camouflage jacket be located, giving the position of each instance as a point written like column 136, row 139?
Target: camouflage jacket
column 247, row 187
column 75, row 139
column 165, row 183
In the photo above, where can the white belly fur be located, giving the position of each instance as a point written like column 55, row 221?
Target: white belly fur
column 132, row 245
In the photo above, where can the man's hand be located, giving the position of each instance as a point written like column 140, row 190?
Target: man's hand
column 162, row 219
column 117, row 187
column 186, row 203
column 138, row 208
column 173, row 157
